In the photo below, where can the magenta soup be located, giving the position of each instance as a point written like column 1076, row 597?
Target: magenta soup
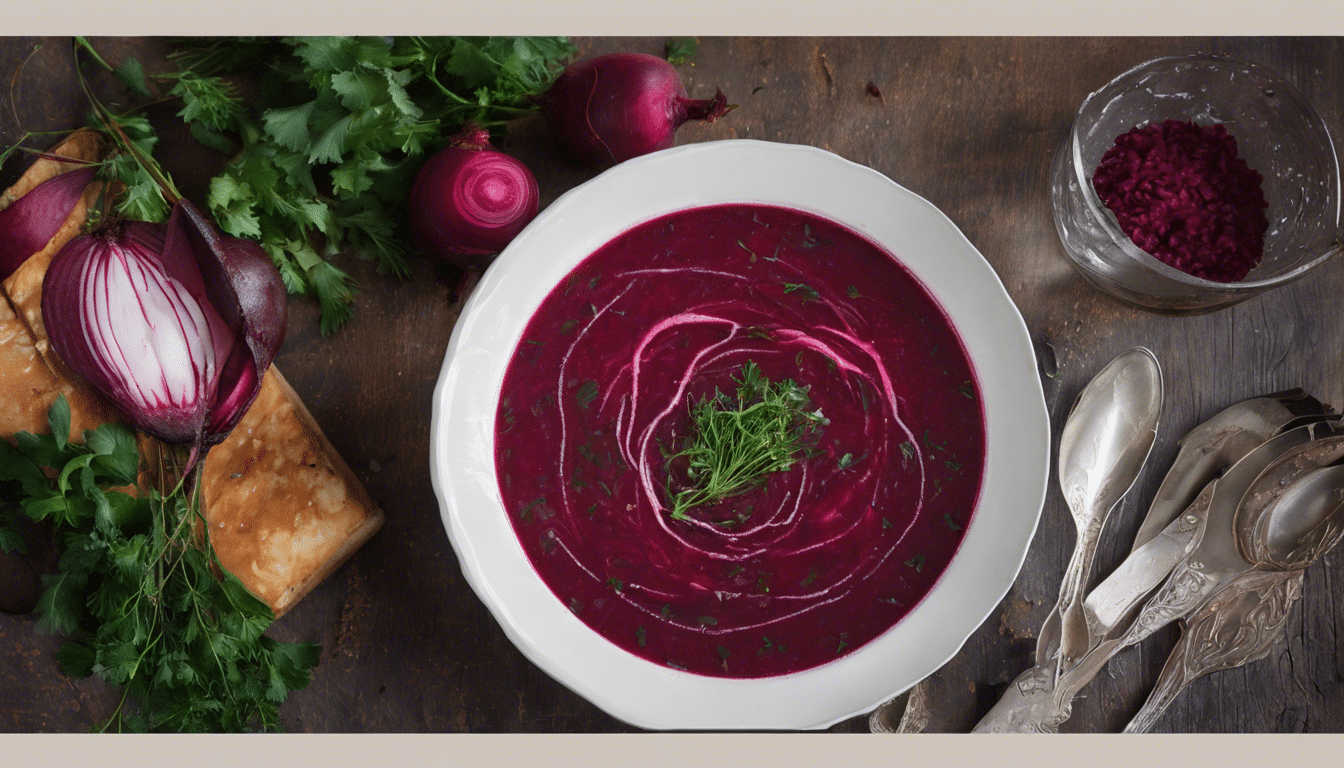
column 819, row 559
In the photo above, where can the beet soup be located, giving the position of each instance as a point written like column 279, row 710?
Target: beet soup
column 810, row 563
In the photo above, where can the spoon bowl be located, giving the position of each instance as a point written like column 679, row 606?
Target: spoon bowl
column 1105, row 443
column 1294, row 513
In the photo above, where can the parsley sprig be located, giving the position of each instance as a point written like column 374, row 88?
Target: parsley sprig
column 737, row 441
column 141, row 596
column 327, row 140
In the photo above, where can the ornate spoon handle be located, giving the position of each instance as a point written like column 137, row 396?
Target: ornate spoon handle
column 1238, row 625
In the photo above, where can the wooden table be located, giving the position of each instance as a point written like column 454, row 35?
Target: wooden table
column 970, row 124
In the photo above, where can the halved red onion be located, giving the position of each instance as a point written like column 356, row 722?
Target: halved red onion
column 175, row 324
column 30, row 222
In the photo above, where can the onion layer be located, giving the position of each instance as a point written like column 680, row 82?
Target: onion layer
column 29, row 224
column 175, row 324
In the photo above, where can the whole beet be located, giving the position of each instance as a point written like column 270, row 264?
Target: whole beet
column 611, row 108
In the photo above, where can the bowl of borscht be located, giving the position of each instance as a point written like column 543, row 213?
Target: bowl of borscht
column 740, row 435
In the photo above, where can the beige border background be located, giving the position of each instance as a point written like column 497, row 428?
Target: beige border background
column 678, row 17
column 668, row 18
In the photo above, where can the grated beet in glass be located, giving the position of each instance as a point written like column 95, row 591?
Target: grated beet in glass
column 1181, row 193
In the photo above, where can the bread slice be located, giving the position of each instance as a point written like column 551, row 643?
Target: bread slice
column 283, row 509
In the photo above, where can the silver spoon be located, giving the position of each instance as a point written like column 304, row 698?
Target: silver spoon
column 1215, row 445
column 1195, row 553
column 1106, row 441
column 1242, row 621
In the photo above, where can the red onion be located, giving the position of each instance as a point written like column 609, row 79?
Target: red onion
column 29, row 224
column 469, row 201
column 175, row 324
column 611, row 108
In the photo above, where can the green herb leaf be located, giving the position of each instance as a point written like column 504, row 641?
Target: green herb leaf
column 681, row 50
column 586, row 393
column 802, row 289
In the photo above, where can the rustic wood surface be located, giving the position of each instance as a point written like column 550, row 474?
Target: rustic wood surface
column 970, row 124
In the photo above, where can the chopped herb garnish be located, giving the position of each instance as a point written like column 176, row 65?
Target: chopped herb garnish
column 605, row 488
column 916, row 562
column 675, row 665
column 594, row 281
column 798, row 360
column 757, row 332
column 641, row 636
column 525, row 514
column 586, row 393
column 707, row 621
column 737, row 442
column 765, row 646
column 724, row 653
column 809, row 578
column 846, row 461
column 853, row 292
column 666, row 612
column 616, row 583
column 538, row 343
column 806, row 291
column 593, row 308
column 863, row 394
column 844, row 642
column 574, row 605
column 967, row 390
column 885, row 523
column 907, row 451
column 952, row 465
column 744, row 247
column 929, row 442
column 592, row 509
column 951, row 524
column 937, row 488
column 736, row 570
column 889, row 601
column 568, row 326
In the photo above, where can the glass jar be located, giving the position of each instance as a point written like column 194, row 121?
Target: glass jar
column 1278, row 134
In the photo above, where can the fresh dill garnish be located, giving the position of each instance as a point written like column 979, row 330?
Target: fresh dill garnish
column 916, row 562
column 737, row 441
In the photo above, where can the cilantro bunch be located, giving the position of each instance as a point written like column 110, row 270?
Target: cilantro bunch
column 326, row 134
column 139, row 592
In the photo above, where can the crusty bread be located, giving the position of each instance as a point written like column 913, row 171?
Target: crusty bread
column 284, row 510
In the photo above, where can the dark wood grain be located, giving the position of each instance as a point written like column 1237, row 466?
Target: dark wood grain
column 970, row 124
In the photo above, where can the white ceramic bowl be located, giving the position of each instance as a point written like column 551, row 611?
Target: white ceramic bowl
column 929, row 245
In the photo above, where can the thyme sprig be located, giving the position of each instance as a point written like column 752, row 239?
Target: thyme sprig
column 738, row 440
